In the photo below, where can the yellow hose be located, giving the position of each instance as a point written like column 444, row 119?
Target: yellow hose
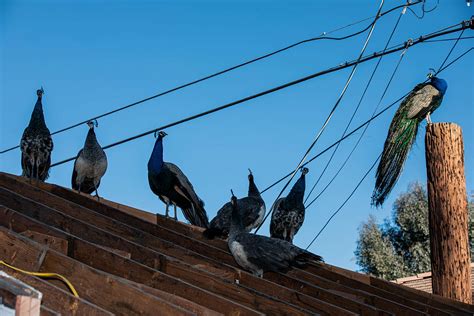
column 45, row 275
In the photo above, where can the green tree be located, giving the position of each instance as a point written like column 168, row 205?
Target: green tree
column 400, row 247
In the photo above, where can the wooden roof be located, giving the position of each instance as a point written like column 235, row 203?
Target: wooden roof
column 125, row 261
column 422, row 281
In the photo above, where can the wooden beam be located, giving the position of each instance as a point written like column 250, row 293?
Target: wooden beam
column 105, row 290
column 94, row 256
column 27, row 306
column 448, row 213
column 57, row 299
column 210, row 253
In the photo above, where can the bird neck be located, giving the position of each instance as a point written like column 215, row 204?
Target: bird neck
column 236, row 225
column 156, row 159
column 297, row 192
column 37, row 116
column 253, row 190
column 91, row 143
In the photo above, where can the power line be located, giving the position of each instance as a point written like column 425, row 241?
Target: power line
column 345, row 201
column 363, row 132
column 360, row 126
column 358, row 105
column 328, row 118
column 464, row 25
column 373, row 165
column 323, row 36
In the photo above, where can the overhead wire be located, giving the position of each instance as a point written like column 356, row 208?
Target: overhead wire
column 358, row 105
column 344, row 65
column 330, row 115
column 323, row 36
column 373, row 165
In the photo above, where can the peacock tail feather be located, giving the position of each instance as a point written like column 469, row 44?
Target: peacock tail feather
column 401, row 136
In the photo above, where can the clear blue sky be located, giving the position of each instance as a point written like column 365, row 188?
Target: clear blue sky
column 93, row 56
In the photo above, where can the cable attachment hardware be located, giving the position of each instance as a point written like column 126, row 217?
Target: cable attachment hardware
column 406, row 6
column 93, row 123
column 408, row 43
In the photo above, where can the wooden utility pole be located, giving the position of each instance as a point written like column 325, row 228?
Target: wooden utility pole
column 448, row 213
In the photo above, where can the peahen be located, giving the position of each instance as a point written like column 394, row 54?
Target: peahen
column 90, row 165
column 288, row 214
column 36, row 144
column 424, row 99
column 170, row 184
column 259, row 254
column 252, row 210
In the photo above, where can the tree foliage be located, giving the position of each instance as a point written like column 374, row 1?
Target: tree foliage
column 400, row 247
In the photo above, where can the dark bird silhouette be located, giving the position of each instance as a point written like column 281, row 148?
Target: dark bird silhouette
column 36, row 144
column 251, row 208
column 424, row 99
column 288, row 214
column 170, row 184
column 90, row 165
column 259, row 254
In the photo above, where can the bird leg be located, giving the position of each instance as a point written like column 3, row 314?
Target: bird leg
column 167, row 209
column 97, row 194
column 175, row 213
column 428, row 118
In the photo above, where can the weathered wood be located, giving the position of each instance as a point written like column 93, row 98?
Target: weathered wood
column 422, row 301
column 448, row 213
column 54, row 242
column 27, row 306
column 98, row 258
column 250, row 282
column 141, row 238
column 105, row 290
column 58, row 299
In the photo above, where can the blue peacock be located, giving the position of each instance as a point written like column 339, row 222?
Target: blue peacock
column 423, row 100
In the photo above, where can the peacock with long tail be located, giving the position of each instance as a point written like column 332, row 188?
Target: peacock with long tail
column 171, row 186
column 36, row 144
column 423, row 100
column 90, row 164
column 288, row 214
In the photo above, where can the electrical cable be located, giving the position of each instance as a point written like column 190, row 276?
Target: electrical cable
column 374, row 164
column 323, row 36
column 465, row 24
column 358, row 105
column 328, row 118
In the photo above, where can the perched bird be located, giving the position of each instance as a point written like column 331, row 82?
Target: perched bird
column 90, row 165
column 36, row 144
column 288, row 214
column 259, row 254
column 424, row 99
column 251, row 208
column 173, row 187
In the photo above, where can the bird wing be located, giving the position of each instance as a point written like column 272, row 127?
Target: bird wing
column 276, row 227
column 421, row 101
column 186, row 189
column 249, row 208
column 270, row 254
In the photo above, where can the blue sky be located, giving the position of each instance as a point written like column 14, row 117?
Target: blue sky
column 94, row 56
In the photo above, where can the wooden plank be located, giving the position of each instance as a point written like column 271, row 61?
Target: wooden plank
column 27, row 306
column 95, row 257
column 291, row 298
column 105, row 290
column 58, row 299
column 110, row 210
column 387, row 290
column 53, row 242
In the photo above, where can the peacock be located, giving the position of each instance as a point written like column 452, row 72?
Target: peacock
column 423, row 100
column 170, row 184
column 252, row 210
column 288, row 214
column 259, row 254
column 90, row 165
column 36, row 144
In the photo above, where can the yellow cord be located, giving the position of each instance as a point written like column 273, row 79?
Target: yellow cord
column 45, row 275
